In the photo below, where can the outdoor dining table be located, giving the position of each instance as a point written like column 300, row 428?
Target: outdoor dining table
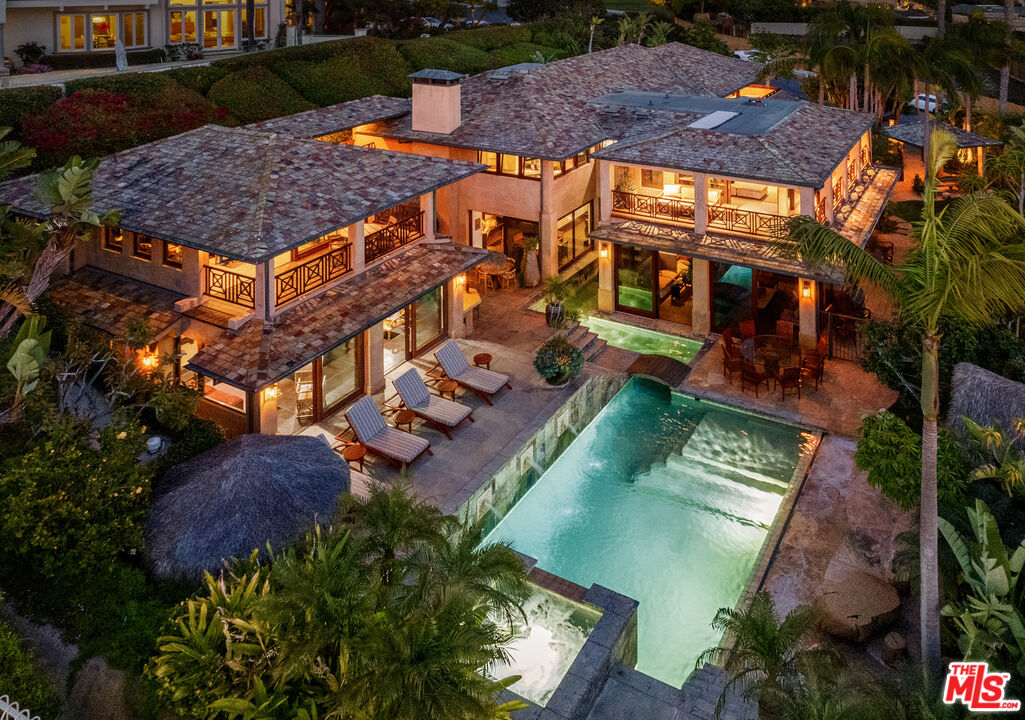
column 770, row 350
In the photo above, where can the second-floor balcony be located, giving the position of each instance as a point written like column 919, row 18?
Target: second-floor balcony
column 295, row 280
column 230, row 285
column 402, row 228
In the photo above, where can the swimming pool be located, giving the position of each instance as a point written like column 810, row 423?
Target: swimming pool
column 668, row 500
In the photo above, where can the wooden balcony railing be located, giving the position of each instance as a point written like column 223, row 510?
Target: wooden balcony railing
column 650, row 206
column 394, row 236
column 746, row 222
column 837, row 194
column 852, row 173
column 820, row 209
column 312, row 274
column 230, row 286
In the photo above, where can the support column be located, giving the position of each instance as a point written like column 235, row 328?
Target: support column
column 845, row 180
column 263, row 290
column 701, row 317
column 477, row 228
column 982, row 162
column 268, row 401
column 700, row 203
column 807, row 315
column 373, row 359
column 606, row 291
column 549, row 243
column 827, row 192
column 604, row 191
column 427, row 206
column 808, row 201
column 359, row 249
column 454, row 289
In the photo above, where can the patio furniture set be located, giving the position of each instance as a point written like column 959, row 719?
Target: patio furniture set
column 759, row 359
column 412, row 400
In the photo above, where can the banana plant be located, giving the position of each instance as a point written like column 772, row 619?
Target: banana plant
column 990, row 619
column 1002, row 460
column 31, row 346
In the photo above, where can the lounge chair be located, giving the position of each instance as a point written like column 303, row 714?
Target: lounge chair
column 440, row 412
column 481, row 381
column 395, row 445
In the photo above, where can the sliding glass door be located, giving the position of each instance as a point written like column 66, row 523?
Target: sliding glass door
column 635, row 280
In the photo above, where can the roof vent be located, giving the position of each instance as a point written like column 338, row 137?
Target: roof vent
column 712, row 120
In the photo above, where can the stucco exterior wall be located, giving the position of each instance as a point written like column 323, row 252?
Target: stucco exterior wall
column 152, row 271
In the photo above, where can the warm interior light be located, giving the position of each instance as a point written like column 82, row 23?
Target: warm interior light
column 460, row 280
column 271, row 392
column 604, row 252
column 805, row 289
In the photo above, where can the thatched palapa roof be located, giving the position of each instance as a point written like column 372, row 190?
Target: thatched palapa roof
column 985, row 398
column 239, row 496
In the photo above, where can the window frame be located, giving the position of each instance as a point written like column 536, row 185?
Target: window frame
column 572, row 215
column 88, row 42
column 166, row 257
column 139, row 254
column 496, row 167
column 110, row 244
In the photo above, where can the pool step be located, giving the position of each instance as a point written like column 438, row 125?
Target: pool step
column 586, row 341
column 740, row 447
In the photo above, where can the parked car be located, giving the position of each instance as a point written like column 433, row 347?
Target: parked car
column 919, row 103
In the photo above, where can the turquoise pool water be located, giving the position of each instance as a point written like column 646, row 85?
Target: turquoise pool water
column 665, row 499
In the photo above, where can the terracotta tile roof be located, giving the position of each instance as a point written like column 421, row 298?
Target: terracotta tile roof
column 335, row 118
column 112, row 303
column 911, row 133
column 261, row 353
column 249, row 195
column 802, row 149
column 543, row 110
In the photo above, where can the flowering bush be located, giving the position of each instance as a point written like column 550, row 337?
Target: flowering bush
column 35, row 69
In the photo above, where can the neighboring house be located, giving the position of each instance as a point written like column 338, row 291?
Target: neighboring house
column 290, row 270
column 89, row 27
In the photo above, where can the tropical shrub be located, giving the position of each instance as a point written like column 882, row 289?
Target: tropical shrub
column 175, row 404
column 21, row 101
column 198, row 436
column 389, row 616
column 558, row 360
column 444, row 54
column 994, row 453
column 95, row 122
column 22, row 678
column 30, row 52
column 892, row 453
column 256, row 94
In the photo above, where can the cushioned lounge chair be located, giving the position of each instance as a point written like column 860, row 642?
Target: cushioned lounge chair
column 440, row 412
column 481, row 381
column 391, row 443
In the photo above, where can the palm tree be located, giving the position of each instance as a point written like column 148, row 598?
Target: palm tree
column 968, row 265
column 764, row 657
column 945, row 64
column 592, row 26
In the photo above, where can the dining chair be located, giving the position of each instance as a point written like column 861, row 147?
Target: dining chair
column 750, row 376
column 748, row 329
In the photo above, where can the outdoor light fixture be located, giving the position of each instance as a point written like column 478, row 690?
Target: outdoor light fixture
column 150, row 361
column 604, row 252
column 271, row 392
column 460, row 280
column 806, row 289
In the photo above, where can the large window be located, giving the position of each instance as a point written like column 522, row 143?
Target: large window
column 82, row 32
column 572, row 237
column 113, row 239
column 215, row 24
column 142, row 246
column 173, row 255
column 183, row 27
column 512, row 165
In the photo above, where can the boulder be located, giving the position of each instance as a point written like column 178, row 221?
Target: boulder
column 857, row 606
column 893, row 648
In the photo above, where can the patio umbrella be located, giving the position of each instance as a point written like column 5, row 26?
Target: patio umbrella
column 239, row 496
column 494, row 263
column 120, row 56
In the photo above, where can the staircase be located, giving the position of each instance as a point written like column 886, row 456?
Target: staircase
column 586, row 341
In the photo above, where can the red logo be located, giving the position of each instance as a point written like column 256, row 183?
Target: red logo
column 972, row 684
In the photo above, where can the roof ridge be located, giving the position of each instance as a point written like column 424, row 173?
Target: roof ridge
column 764, row 140
column 268, row 176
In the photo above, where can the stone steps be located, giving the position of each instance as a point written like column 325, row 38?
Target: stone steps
column 586, row 341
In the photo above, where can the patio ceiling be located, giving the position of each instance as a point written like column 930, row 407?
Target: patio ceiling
column 754, row 254
column 261, row 353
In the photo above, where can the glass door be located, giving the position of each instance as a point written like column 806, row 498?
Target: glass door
column 428, row 323
column 218, row 29
column 341, row 374
column 635, row 273
column 395, row 340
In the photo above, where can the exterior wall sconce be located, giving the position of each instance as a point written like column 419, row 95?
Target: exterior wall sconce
column 603, row 252
column 149, row 361
column 460, row 280
column 271, row 392
column 806, row 289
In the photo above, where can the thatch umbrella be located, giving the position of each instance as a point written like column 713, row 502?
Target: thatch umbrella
column 495, row 263
column 239, row 496
column 985, row 398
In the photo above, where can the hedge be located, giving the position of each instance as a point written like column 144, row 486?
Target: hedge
column 15, row 103
column 523, row 52
column 198, row 78
column 319, row 53
column 76, row 61
column 444, row 54
column 22, row 679
column 490, row 38
column 138, row 84
column 362, row 71
column 256, row 94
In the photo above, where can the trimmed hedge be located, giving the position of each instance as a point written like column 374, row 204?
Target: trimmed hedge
column 319, row 53
column 443, row 54
column 256, row 94
column 197, row 78
column 15, row 103
column 22, row 679
column 365, row 70
column 138, row 84
column 491, row 38
column 76, row 61
column 523, row 52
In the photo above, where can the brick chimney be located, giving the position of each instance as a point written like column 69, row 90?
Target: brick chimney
column 436, row 101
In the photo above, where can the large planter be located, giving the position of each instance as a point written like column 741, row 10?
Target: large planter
column 531, row 272
column 561, row 380
column 555, row 314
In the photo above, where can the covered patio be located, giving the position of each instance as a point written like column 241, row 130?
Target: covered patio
column 910, row 136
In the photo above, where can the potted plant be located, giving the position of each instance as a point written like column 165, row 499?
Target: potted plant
column 531, row 272
column 558, row 361
column 557, row 289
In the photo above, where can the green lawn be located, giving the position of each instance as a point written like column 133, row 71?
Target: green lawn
column 629, row 5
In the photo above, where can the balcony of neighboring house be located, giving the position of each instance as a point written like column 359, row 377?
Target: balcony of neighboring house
column 734, row 207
